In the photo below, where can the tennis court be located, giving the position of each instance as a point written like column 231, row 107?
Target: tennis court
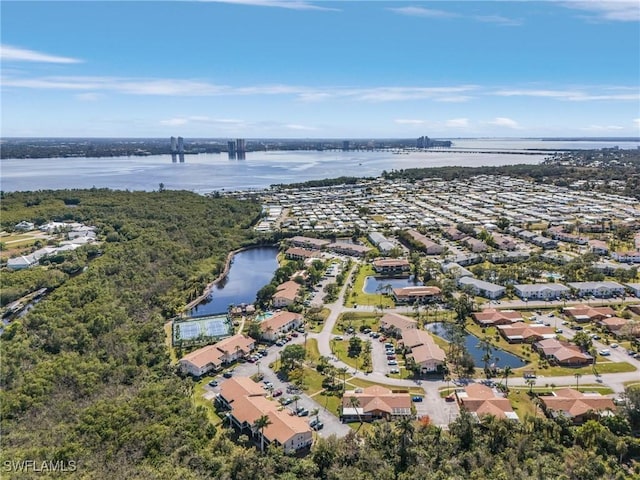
column 213, row 326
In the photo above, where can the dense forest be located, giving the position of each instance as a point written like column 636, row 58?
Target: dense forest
column 86, row 377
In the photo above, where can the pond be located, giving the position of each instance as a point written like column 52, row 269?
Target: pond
column 500, row 358
column 372, row 284
column 250, row 271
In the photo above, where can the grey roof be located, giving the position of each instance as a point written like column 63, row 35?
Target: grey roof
column 480, row 284
column 541, row 287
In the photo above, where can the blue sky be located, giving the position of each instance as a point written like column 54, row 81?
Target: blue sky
column 298, row 68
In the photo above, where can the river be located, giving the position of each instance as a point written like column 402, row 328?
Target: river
column 250, row 271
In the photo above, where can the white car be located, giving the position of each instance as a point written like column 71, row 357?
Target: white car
column 605, row 352
column 614, row 345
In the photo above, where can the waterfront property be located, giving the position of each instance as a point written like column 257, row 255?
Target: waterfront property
column 214, row 357
column 423, row 352
column 374, row 403
column 491, row 317
column 575, row 405
column 419, row 294
column 391, row 266
column 309, row 242
column 562, row 353
column 521, row 332
column 286, row 294
column 391, row 322
column 481, row 401
column 297, row 253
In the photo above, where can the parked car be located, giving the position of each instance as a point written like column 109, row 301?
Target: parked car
column 614, row 345
column 318, row 426
column 286, row 400
column 228, row 374
column 213, row 383
column 416, row 398
column 277, row 393
column 391, row 357
column 339, row 338
column 394, row 370
column 302, row 412
column 392, row 362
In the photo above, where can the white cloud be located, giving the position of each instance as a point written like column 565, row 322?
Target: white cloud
column 457, row 123
column 571, row 95
column 636, row 121
column 498, row 20
column 200, row 119
column 294, row 126
column 409, row 121
column 603, row 128
column 88, row 97
column 288, row 4
column 505, row 122
column 613, row 10
column 423, row 12
column 16, row 54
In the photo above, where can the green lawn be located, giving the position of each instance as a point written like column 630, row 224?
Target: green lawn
column 317, row 327
column 356, row 320
column 313, row 354
column 340, row 349
column 359, row 297
column 610, row 367
column 199, row 400
column 359, row 382
column 330, row 403
column 522, row 404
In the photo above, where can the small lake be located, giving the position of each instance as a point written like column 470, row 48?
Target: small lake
column 504, row 359
column 250, row 271
column 371, row 284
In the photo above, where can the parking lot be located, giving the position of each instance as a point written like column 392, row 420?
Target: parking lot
column 332, row 425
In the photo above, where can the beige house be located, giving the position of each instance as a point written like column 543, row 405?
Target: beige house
column 490, row 317
column 391, row 266
column 576, row 405
column 521, row 332
column 562, row 353
column 392, row 321
column 375, row 402
column 415, row 294
column 423, row 350
column 286, row 294
column 588, row 313
column 274, row 327
column 213, row 357
column 248, row 403
column 481, row 400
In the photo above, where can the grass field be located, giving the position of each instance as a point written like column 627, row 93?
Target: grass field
column 313, row 354
column 359, row 382
column 359, row 297
column 317, row 327
column 200, row 401
column 356, row 320
column 340, row 350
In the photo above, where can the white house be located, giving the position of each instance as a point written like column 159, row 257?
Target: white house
column 274, row 327
column 541, row 291
column 597, row 289
column 482, row 288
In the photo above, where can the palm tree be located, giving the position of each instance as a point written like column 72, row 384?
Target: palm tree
column 295, row 399
column 343, row 371
column 355, row 404
column 260, row 424
column 406, row 428
column 487, row 347
column 316, row 413
column 577, row 375
column 531, row 382
column 506, row 372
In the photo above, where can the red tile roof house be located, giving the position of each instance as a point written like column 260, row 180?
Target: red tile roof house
column 588, row 314
column 391, row 266
column 247, row 402
column 375, row 402
column 286, row 294
column 562, row 353
column 481, row 401
column 491, row 317
column 213, row 357
column 427, row 245
column 274, row 327
column 521, row 332
column 424, row 352
column 575, row 405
